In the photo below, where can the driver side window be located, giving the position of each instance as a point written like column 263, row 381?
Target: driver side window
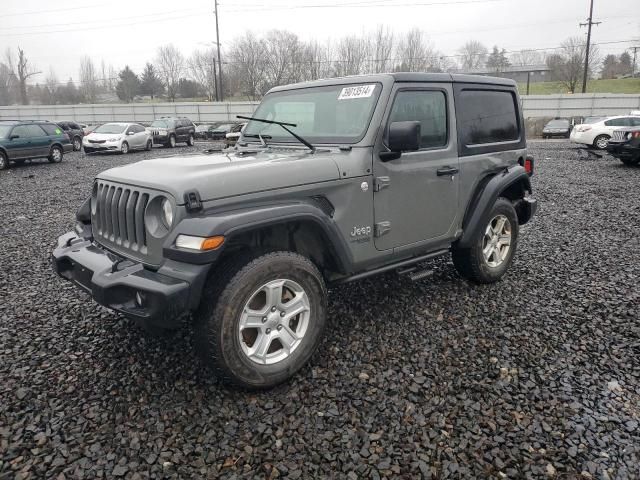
column 427, row 107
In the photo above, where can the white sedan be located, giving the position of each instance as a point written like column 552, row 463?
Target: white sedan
column 598, row 132
column 117, row 137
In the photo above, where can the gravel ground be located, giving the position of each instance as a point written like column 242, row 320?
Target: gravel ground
column 537, row 376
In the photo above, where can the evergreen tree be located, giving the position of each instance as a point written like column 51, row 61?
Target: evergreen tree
column 497, row 60
column 150, row 82
column 128, row 86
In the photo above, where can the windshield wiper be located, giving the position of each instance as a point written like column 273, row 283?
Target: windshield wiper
column 283, row 125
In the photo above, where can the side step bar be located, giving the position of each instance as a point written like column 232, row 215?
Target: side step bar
column 403, row 263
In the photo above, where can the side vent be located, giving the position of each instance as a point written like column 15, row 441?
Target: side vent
column 323, row 204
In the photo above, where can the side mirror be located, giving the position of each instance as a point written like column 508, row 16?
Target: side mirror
column 13, row 137
column 131, row 133
column 403, row 137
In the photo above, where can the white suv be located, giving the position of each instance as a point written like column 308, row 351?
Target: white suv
column 598, row 133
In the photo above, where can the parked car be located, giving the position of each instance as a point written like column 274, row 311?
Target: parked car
column 597, row 134
column 232, row 137
column 22, row 140
column 625, row 145
column 75, row 133
column 117, row 137
column 220, row 132
column 168, row 131
column 87, row 129
column 390, row 171
column 203, row 131
column 560, row 127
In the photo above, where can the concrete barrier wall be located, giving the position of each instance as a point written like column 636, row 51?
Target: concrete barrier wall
column 534, row 106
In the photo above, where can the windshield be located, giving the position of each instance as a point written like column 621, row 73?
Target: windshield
column 226, row 126
column 160, row 124
column 332, row 114
column 593, row 119
column 4, row 130
column 110, row 128
column 558, row 123
column 203, row 128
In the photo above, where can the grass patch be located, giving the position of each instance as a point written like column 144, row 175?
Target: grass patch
column 624, row 85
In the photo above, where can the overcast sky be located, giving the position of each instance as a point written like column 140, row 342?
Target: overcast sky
column 129, row 31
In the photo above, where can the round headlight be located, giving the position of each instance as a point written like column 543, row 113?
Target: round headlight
column 167, row 213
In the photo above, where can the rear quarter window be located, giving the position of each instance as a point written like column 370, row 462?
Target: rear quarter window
column 487, row 116
column 51, row 129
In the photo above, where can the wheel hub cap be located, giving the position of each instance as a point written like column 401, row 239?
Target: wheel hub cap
column 497, row 241
column 274, row 321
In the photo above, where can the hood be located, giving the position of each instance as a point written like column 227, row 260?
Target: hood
column 221, row 175
column 103, row 136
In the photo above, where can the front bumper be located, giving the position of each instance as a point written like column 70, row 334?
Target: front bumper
column 623, row 149
column 101, row 147
column 160, row 139
column 159, row 297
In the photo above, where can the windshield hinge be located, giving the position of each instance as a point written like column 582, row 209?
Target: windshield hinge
column 381, row 182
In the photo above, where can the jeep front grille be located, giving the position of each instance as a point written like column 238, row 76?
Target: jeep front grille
column 619, row 136
column 119, row 216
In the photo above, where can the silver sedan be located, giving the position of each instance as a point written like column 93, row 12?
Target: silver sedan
column 117, row 137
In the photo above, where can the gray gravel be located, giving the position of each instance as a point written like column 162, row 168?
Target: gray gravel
column 537, row 376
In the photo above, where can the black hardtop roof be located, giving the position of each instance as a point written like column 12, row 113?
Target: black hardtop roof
column 406, row 77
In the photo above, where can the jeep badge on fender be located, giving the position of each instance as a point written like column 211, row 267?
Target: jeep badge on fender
column 289, row 211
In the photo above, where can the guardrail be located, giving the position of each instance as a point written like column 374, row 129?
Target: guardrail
column 534, row 106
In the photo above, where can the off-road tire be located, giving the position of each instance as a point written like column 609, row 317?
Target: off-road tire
column 4, row 161
column 601, row 141
column 191, row 140
column 224, row 296
column 470, row 262
column 77, row 144
column 53, row 156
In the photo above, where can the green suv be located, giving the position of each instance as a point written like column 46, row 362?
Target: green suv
column 21, row 140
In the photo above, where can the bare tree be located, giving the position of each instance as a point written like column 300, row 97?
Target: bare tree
column 567, row 66
column 202, row 66
column 283, row 54
column 351, row 54
column 247, row 59
column 525, row 58
column 171, row 66
column 381, row 50
column 316, row 62
column 6, row 84
column 88, row 80
column 50, row 88
column 415, row 53
column 472, row 55
column 21, row 71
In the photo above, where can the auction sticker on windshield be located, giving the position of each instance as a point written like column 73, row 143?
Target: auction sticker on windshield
column 358, row 91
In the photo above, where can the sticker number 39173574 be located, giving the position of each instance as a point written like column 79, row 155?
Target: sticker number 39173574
column 358, row 91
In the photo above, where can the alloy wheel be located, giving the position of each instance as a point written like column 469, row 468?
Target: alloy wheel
column 496, row 242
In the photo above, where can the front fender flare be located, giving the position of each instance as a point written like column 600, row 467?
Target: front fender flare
column 479, row 210
column 236, row 221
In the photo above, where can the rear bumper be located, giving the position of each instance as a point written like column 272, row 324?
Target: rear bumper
column 623, row 150
column 125, row 286
column 585, row 138
column 526, row 208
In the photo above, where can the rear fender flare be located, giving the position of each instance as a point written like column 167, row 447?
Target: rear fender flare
column 478, row 212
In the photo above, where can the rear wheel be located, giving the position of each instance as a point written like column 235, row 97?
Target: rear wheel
column 55, row 154
column 261, row 319
column 601, row 141
column 4, row 161
column 492, row 250
column 172, row 141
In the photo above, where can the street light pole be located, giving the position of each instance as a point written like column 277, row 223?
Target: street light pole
column 221, row 94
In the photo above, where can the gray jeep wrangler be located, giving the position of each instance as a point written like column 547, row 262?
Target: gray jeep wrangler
column 331, row 181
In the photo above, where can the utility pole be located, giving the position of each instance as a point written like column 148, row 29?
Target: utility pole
column 588, row 24
column 633, row 69
column 221, row 95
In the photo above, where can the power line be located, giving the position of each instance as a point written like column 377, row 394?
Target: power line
column 364, row 4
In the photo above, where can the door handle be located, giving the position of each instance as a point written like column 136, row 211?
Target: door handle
column 446, row 171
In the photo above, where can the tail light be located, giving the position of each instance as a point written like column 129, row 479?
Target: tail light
column 636, row 134
column 528, row 163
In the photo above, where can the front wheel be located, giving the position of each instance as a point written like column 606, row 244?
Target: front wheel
column 55, row 154
column 601, row 141
column 4, row 161
column 149, row 145
column 124, row 148
column 492, row 250
column 172, row 141
column 191, row 140
column 261, row 319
